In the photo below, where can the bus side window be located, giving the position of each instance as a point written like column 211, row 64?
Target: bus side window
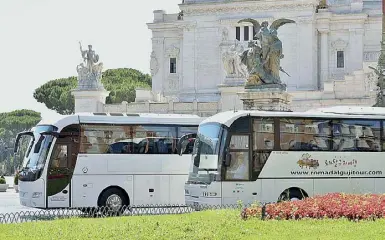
column 263, row 144
column 60, row 156
column 356, row 135
column 305, row 134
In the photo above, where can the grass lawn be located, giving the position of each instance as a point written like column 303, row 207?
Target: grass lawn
column 220, row 224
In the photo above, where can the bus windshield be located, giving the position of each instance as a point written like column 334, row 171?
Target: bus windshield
column 35, row 157
column 205, row 154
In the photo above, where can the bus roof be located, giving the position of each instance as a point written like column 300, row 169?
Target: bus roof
column 228, row 117
column 123, row 118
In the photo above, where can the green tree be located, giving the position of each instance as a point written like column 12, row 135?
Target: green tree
column 12, row 123
column 121, row 82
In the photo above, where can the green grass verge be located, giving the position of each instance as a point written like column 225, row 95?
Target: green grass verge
column 221, row 224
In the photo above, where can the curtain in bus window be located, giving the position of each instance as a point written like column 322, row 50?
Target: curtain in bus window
column 356, row 135
column 305, row 134
column 101, row 139
column 263, row 134
column 60, row 156
column 239, row 166
column 153, row 139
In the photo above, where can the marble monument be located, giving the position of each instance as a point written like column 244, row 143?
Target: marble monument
column 90, row 94
column 195, row 55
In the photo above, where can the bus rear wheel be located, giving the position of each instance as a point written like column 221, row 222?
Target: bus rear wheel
column 113, row 202
column 292, row 194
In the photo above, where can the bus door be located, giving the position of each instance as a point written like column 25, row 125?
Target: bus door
column 237, row 185
column 60, row 170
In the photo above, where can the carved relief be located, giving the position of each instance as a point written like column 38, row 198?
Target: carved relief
column 188, row 26
column 339, row 44
column 232, row 62
column 305, row 20
column 172, row 51
column 172, row 84
column 246, row 8
column 154, row 65
column 234, row 22
column 371, row 56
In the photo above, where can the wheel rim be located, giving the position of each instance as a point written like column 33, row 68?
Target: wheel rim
column 114, row 202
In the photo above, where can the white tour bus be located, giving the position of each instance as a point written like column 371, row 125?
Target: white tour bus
column 265, row 156
column 96, row 159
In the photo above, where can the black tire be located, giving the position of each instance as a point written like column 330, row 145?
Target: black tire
column 113, row 202
column 291, row 195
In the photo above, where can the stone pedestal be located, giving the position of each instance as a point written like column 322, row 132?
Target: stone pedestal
column 266, row 98
column 90, row 100
column 229, row 95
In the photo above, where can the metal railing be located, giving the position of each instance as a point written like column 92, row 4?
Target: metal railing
column 140, row 210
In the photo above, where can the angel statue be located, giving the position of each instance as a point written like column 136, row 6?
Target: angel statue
column 269, row 53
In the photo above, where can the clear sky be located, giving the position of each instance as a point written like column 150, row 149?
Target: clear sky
column 39, row 41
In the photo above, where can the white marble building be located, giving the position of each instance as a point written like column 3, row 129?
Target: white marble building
column 327, row 53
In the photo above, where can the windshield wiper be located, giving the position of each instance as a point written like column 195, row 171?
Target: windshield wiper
column 42, row 136
column 21, row 134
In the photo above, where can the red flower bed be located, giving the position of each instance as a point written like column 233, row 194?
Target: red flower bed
column 335, row 205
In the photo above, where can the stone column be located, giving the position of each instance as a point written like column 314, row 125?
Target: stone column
column 324, row 57
column 188, row 62
column 356, row 51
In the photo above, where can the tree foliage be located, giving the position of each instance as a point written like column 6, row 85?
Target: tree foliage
column 11, row 123
column 121, row 82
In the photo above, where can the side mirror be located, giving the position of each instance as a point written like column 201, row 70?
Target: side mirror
column 227, row 159
column 18, row 139
column 183, row 142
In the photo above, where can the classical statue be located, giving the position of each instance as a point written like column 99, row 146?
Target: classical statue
column 263, row 60
column 154, row 66
column 90, row 70
column 232, row 62
column 89, row 57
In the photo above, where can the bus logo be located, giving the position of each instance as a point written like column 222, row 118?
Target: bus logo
column 308, row 162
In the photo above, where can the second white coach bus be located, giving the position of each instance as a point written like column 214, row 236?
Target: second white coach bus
column 268, row 156
column 96, row 159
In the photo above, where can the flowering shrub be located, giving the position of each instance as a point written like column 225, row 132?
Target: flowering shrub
column 333, row 205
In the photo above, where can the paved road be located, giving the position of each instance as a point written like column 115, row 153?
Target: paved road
column 9, row 181
column 12, row 211
column 9, row 202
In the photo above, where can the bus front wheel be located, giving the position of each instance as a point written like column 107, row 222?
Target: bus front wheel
column 113, row 201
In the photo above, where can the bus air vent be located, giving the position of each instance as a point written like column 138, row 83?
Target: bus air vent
column 116, row 114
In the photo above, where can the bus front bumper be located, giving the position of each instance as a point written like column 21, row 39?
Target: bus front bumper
column 32, row 194
column 204, row 196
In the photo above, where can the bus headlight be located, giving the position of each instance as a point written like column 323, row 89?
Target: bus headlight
column 209, row 194
column 36, row 194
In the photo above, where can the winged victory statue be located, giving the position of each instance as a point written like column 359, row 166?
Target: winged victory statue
column 263, row 60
